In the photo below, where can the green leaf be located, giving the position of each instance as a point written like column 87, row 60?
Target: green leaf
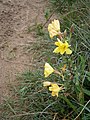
column 88, row 76
column 69, row 103
column 87, row 92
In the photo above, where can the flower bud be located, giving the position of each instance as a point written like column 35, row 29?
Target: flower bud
column 72, row 28
column 46, row 84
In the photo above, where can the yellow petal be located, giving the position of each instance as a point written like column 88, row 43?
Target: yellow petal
column 50, row 89
column 56, row 25
column 50, row 27
column 66, row 44
column 55, row 94
column 55, row 87
column 59, row 43
column 56, row 50
column 52, row 33
column 62, row 51
column 68, row 51
column 54, row 28
column 48, row 70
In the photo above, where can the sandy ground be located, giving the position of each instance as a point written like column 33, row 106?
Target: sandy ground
column 15, row 18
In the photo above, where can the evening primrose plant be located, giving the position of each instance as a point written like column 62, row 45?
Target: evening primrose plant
column 63, row 48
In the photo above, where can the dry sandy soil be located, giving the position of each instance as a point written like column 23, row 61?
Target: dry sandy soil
column 15, row 18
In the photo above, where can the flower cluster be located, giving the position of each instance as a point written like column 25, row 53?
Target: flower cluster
column 54, row 30
column 62, row 47
column 54, row 87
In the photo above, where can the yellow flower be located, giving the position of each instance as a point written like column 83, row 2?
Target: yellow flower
column 54, row 28
column 48, row 70
column 46, row 83
column 62, row 47
column 55, row 89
